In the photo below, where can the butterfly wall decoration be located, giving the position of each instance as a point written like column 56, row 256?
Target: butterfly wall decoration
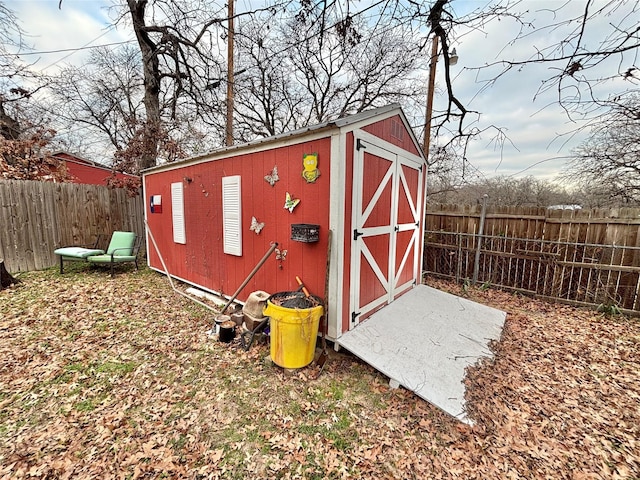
column 272, row 178
column 256, row 226
column 281, row 256
column 290, row 203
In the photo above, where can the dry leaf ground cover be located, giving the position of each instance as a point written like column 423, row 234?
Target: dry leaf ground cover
column 117, row 378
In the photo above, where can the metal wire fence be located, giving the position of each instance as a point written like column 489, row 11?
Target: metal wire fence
column 579, row 273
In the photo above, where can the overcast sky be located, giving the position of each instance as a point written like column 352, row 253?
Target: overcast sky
column 538, row 130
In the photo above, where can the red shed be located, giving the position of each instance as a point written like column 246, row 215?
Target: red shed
column 362, row 177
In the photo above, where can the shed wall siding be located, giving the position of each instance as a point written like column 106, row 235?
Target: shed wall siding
column 202, row 261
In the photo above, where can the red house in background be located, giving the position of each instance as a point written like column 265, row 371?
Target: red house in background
column 86, row 171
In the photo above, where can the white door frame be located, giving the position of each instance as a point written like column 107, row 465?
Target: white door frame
column 386, row 274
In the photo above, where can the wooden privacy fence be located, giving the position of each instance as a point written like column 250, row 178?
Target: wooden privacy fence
column 583, row 257
column 38, row 217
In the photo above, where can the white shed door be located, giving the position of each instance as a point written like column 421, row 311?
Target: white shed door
column 387, row 206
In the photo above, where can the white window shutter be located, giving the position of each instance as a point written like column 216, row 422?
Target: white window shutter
column 232, row 215
column 177, row 213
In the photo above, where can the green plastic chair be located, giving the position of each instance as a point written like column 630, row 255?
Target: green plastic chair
column 124, row 247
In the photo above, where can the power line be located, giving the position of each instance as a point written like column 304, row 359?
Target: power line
column 64, row 50
column 85, row 46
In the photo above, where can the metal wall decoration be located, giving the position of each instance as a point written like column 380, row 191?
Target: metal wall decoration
column 281, row 256
column 290, row 203
column 272, row 178
column 256, row 226
column 310, row 164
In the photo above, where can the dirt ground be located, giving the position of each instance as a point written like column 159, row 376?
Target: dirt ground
column 118, row 378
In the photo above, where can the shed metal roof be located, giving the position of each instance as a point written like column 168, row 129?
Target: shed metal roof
column 338, row 123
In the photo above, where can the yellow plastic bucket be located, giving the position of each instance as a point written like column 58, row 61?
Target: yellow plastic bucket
column 293, row 333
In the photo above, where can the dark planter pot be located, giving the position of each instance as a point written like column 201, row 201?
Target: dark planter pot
column 227, row 331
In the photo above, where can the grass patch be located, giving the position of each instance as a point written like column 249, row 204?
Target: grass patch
column 338, row 432
column 115, row 368
column 87, row 405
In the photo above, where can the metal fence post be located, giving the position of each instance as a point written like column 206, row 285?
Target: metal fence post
column 483, row 214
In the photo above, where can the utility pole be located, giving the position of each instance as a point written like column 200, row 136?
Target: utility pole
column 453, row 59
column 432, row 86
column 230, row 79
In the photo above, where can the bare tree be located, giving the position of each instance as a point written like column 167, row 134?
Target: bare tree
column 344, row 65
column 267, row 102
column 509, row 192
column 448, row 173
column 103, row 98
column 311, row 61
column 24, row 138
column 11, row 71
column 576, row 61
column 608, row 162
column 180, row 52
column 315, row 63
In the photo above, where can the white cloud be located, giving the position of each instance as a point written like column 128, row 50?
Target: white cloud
column 536, row 125
column 540, row 130
column 77, row 24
